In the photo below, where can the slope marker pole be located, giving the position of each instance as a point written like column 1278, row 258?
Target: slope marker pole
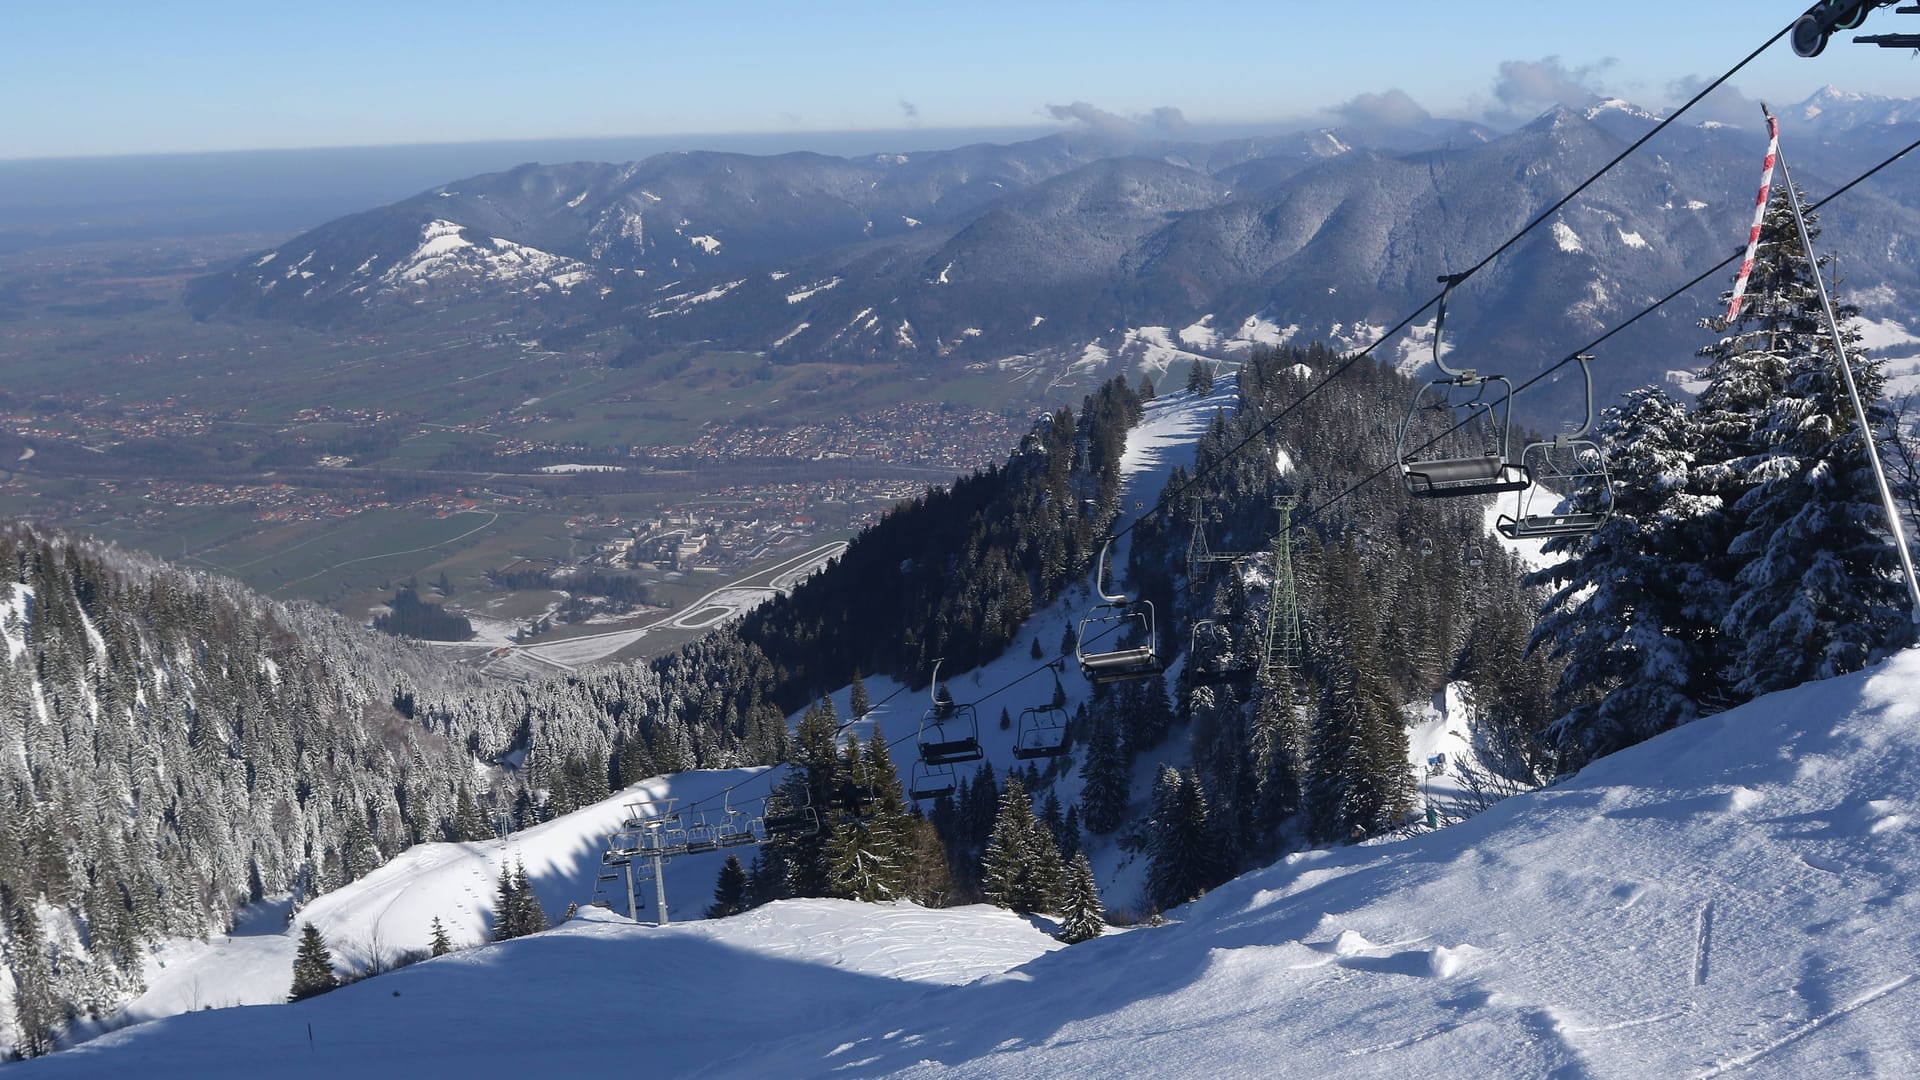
column 1853, row 392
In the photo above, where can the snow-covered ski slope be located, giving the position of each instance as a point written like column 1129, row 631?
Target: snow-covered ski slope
column 1737, row 897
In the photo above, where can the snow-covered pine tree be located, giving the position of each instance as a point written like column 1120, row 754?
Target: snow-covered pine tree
column 529, row 916
column 857, row 702
column 729, row 890
column 1081, row 916
column 441, row 944
column 1814, row 592
column 312, row 966
column 1200, row 377
column 505, row 907
column 1182, row 861
column 1021, row 869
column 1634, row 615
column 1279, row 753
column 1103, row 799
column 35, row 1008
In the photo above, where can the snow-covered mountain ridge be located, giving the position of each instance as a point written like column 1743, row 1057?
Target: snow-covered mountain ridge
column 1036, row 255
column 1733, row 897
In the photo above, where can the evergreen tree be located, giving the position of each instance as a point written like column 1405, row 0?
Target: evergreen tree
column 506, row 907
column 35, row 1004
column 468, row 822
column 517, row 911
column 1021, row 869
column 857, row 697
column 1081, row 916
column 312, row 966
column 1103, row 799
column 1634, row 615
column 929, row 880
column 529, row 916
column 870, row 853
column 1200, row 377
column 1813, row 594
column 730, row 890
column 441, row 945
column 1182, row 863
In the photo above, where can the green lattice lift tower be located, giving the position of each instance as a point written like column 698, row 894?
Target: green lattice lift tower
column 1283, row 611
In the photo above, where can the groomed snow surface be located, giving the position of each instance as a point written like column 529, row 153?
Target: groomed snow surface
column 1733, row 898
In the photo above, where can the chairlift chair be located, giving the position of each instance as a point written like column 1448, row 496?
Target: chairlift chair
column 1210, row 660
column 949, row 732
column 1558, row 467
column 1461, row 400
column 930, row 781
column 702, row 836
column 1042, row 733
column 1114, row 614
column 786, row 818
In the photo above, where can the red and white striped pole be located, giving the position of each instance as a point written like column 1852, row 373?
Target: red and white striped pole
column 1759, row 213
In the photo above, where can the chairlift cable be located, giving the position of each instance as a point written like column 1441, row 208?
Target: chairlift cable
column 1603, row 338
column 1166, row 497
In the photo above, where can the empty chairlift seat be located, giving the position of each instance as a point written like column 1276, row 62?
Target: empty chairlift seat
column 1042, row 732
column 1571, row 494
column 1116, row 619
column 949, row 731
column 1455, row 439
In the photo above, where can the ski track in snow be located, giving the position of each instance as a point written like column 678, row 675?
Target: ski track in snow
column 1702, row 943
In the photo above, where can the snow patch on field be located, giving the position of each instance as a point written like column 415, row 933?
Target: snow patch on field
column 1259, row 330
column 1631, row 239
column 705, row 243
column 790, row 335
column 1151, row 350
column 816, row 287
column 1414, row 350
column 1566, row 238
column 1198, row 334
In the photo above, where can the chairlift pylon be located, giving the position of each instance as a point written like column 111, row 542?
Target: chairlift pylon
column 1487, row 425
column 1116, row 613
column 1558, row 467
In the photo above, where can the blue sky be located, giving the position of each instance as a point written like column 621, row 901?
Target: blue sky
column 107, row 78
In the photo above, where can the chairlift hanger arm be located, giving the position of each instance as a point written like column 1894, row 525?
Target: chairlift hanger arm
column 1812, row 31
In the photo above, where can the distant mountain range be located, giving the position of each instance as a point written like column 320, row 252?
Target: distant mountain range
column 1087, row 249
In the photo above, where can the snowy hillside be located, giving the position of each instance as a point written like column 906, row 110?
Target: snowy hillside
column 1736, row 896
